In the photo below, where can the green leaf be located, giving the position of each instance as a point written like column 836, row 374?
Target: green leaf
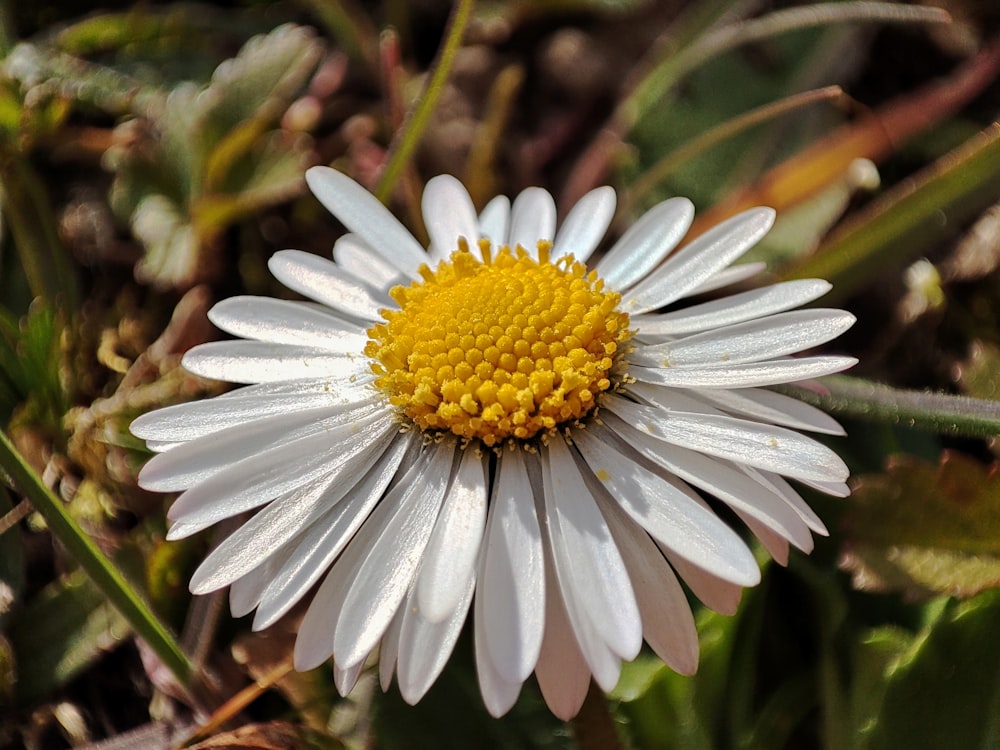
column 924, row 529
column 452, row 715
column 172, row 248
column 945, row 693
column 60, row 633
column 666, row 709
column 659, row 706
column 909, row 219
column 977, row 375
column 208, row 156
column 722, row 90
column 31, row 369
column 28, row 211
column 262, row 79
column 113, row 586
column 11, row 565
column 875, row 652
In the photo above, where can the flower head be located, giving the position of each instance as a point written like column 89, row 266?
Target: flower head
column 488, row 423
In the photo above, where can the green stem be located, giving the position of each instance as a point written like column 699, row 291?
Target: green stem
column 940, row 412
column 94, row 563
column 416, row 123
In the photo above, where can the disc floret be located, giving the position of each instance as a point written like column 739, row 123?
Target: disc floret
column 502, row 349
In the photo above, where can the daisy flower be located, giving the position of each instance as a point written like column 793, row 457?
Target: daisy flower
column 490, row 423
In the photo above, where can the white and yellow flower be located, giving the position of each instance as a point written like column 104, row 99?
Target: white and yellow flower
column 490, row 423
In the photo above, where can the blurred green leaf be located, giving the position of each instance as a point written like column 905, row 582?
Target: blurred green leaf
column 659, row 707
column 876, row 651
column 152, row 45
column 945, row 692
column 210, row 156
column 168, row 566
column 718, row 92
column 665, row 709
column 12, row 573
column 977, row 375
column 31, row 369
column 923, row 529
column 105, row 575
column 26, row 206
column 259, row 82
column 909, row 219
column 452, row 715
column 60, row 633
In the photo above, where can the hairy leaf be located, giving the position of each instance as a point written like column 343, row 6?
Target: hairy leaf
column 923, row 529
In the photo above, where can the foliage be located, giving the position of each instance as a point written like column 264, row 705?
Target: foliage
column 150, row 161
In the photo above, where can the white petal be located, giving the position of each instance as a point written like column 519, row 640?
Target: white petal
column 837, row 489
column 282, row 520
column 284, row 322
column 778, row 485
column 698, row 262
column 715, row 593
column 257, row 539
column 388, row 650
column 318, row 629
column 451, row 554
column 727, row 277
column 499, row 694
column 259, row 362
column 763, row 446
column 324, row 281
column 728, row 482
column 298, row 386
column 775, row 544
column 736, row 308
column 259, row 479
column 449, row 214
column 512, row 585
column 533, row 218
column 424, row 646
column 161, row 446
column 494, row 221
column 314, row 641
column 316, row 550
column 667, row 512
column 245, row 593
column 198, row 460
column 346, row 679
column 750, row 341
column 768, row 406
column 562, row 672
column 393, row 553
column 585, row 225
column 667, row 622
column 646, row 243
column 592, row 577
column 746, row 375
column 360, row 212
column 354, row 256
column 195, row 419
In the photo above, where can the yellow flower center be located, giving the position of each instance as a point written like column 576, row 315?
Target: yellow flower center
column 501, row 349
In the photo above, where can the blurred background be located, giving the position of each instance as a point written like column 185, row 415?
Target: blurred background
column 151, row 160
